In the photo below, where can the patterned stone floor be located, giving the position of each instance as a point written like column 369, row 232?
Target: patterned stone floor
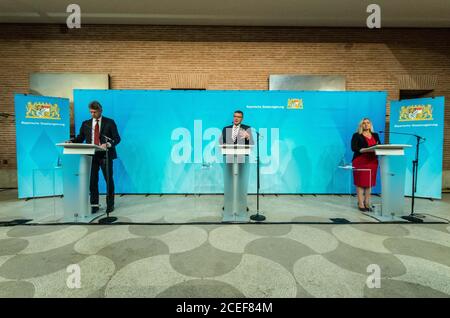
column 193, row 208
column 283, row 260
column 225, row 260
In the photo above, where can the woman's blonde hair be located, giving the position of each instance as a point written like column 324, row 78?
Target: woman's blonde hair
column 360, row 129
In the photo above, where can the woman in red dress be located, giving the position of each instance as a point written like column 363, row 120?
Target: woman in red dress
column 365, row 164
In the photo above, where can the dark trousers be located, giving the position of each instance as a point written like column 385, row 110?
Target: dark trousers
column 98, row 163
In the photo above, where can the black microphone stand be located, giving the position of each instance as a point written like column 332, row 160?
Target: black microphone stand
column 257, row 217
column 108, row 219
column 415, row 169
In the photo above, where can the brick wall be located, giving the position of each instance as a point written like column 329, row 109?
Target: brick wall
column 162, row 57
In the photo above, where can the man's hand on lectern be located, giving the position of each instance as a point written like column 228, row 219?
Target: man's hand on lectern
column 104, row 146
column 244, row 134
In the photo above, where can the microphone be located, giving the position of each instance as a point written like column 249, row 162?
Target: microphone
column 109, row 141
column 107, row 138
column 406, row 134
column 259, row 135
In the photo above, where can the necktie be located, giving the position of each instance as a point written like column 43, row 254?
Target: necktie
column 96, row 133
column 235, row 132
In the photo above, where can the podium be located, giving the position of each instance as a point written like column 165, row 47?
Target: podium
column 392, row 170
column 236, row 177
column 76, row 164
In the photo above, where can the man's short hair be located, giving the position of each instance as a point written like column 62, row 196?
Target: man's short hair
column 239, row 112
column 95, row 105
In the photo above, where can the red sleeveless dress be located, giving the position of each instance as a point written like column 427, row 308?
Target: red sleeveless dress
column 365, row 167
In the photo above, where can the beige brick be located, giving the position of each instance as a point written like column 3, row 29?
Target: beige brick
column 225, row 58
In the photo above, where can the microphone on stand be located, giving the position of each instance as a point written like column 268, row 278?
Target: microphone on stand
column 108, row 138
column 257, row 217
column 108, row 219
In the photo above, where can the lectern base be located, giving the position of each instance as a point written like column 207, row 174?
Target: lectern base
column 241, row 218
column 234, row 218
column 384, row 218
column 227, row 218
column 78, row 219
column 236, row 172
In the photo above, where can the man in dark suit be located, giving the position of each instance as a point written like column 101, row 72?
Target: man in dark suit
column 101, row 131
column 237, row 133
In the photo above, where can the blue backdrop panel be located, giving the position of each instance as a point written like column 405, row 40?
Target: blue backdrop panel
column 423, row 117
column 41, row 122
column 169, row 138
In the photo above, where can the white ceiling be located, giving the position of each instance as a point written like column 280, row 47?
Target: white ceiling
column 328, row 13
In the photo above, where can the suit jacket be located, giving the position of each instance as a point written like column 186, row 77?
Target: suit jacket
column 108, row 128
column 227, row 136
column 359, row 142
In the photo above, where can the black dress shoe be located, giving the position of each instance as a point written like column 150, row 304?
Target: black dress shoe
column 363, row 209
column 94, row 210
column 368, row 208
column 109, row 209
